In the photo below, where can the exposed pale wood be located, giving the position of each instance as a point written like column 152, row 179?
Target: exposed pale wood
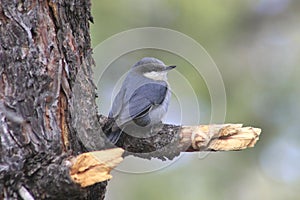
column 93, row 167
column 224, row 137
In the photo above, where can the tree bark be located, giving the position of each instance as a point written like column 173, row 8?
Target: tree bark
column 47, row 98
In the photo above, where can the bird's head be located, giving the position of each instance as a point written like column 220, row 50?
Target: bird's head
column 152, row 68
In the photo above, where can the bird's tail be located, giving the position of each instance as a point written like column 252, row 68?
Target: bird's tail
column 114, row 136
column 112, row 131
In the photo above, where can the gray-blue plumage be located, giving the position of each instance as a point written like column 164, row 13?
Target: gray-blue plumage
column 142, row 100
column 148, row 60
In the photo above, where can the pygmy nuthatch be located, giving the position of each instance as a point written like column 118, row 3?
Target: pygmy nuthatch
column 142, row 100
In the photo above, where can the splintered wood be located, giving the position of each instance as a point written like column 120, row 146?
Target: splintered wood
column 224, row 137
column 93, row 167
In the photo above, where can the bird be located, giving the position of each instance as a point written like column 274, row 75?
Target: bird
column 142, row 100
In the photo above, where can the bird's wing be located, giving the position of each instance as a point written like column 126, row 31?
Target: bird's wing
column 145, row 97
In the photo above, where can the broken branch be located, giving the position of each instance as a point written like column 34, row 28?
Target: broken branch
column 93, row 167
column 171, row 140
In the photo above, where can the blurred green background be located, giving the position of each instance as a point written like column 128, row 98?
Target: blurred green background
column 256, row 46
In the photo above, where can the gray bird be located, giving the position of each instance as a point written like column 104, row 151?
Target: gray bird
column 142, row 101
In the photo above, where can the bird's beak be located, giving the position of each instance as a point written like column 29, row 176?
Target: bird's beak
column 170, row 67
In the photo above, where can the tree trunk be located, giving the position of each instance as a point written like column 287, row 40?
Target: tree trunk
column 47, row 98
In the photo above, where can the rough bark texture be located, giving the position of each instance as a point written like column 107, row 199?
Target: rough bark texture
column 47, row 98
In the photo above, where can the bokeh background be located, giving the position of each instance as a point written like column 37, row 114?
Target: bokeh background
column 256, row 46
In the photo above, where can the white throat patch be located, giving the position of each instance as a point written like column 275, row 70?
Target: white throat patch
column 158, row 76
